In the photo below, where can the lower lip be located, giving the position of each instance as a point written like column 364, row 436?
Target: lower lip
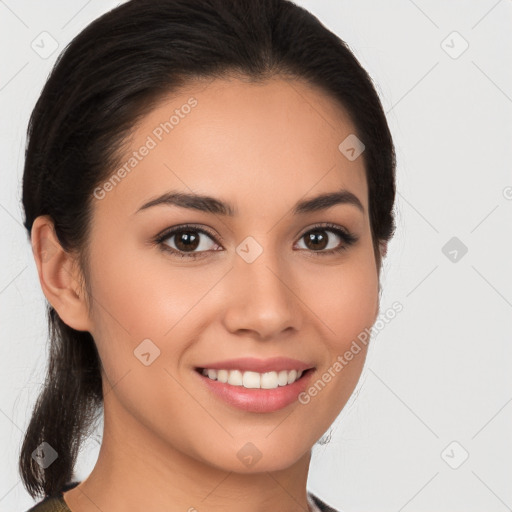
column 258, row 400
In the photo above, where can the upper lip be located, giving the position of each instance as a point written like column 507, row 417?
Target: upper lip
column 253, row 364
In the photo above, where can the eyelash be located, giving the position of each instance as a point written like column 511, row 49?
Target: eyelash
column 348, row 239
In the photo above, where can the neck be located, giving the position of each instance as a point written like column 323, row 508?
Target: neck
column 137, row 470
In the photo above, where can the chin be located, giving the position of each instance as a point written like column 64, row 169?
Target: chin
column 258, row 456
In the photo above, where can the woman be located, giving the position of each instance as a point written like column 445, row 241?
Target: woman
column 208, row 190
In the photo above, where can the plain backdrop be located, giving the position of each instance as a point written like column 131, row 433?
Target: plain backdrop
column 428, row 427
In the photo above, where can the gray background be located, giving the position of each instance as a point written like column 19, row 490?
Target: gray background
column 437, row 383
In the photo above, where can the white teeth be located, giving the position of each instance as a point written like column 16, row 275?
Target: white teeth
column 282, row 378
column 269, row 380
column 222, row 376
column 253, row 380
column 235, row 378
column 292, row 376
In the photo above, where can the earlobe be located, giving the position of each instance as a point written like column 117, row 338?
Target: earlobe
column 58, row 275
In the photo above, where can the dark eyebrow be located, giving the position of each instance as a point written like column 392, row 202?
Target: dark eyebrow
column 325, row 201
column 193, row 201
column 211, row 205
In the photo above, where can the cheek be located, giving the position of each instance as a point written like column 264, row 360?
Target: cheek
column 347, row 306
column 345, row 300
column 138, row 298
column 143, row 293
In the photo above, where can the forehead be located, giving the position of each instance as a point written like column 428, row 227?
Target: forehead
column 239, row 141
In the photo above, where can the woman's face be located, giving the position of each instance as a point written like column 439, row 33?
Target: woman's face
column 270, row 280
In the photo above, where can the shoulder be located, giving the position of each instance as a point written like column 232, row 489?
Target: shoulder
column 322, row 506
column 50, row 504
column 55, row 502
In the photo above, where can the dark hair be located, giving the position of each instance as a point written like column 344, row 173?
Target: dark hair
column 106, row 79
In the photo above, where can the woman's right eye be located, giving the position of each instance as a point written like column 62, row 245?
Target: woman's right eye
column 187, row 241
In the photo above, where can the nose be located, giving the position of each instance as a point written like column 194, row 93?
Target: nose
column 262, row 297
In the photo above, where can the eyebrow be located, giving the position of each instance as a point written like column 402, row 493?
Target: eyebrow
column 212, row 205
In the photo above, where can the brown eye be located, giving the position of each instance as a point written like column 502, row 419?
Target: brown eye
column 328, row 239
column 316, row 240
column 187, row 241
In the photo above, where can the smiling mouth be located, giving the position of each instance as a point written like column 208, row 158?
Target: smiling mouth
column 253, row 380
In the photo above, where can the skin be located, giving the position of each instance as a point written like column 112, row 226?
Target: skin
column 168, row 443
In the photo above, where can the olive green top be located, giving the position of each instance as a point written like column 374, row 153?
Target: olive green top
column 55, row 504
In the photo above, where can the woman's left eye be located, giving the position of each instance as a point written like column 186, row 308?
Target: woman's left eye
column 193, row 242
column 318, row 241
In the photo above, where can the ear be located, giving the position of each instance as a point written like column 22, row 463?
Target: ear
column 59, row 275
